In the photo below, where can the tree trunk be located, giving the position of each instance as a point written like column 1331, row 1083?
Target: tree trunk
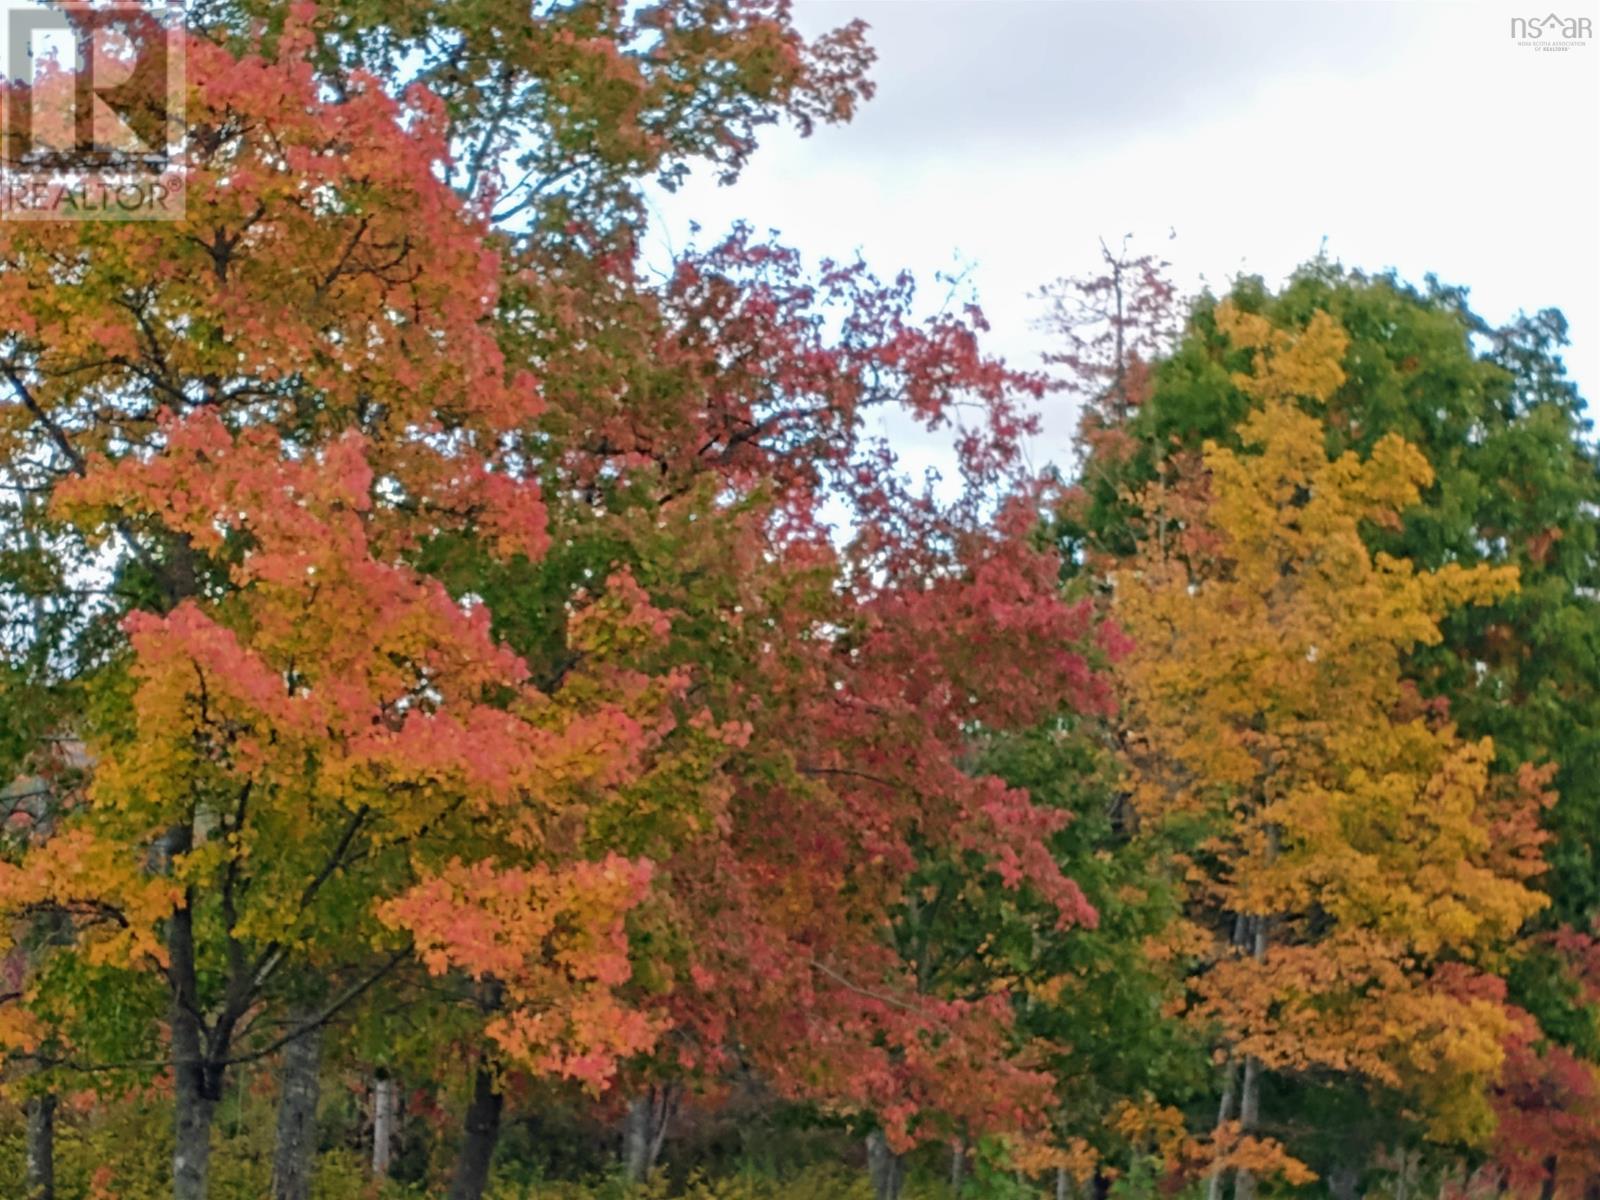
column 1547, row 1189
column 636, row 1139
column 958, row 1165
column 294, row 1156
column 1063, row 1184
column 42, row 1147
column 1224, row 1115
column 383, row 1113
column 884, row 1167
column 1343, row 1181
column 194, row 1093
column 644, row 1130
column 665, row 1104
column 1244, row 1181
column 478, row 1141
column 191, row 1120
column 1241, row 930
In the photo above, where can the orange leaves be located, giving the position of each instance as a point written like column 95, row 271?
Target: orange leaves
column 322, row 279
column 1229, row 1149
column 1150, row 1126
column 20, row 1031
column 100, row 883
column 1357, row 1004
column 1037, row 1156
column 554, row 941
column 1160, row 1132
column 273, row 404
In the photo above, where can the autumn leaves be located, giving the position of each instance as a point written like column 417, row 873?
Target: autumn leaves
column 1349, row 878
column 479, row 691
column 528, row 735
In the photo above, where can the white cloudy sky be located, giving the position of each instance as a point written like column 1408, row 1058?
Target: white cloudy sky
column 1008, row 136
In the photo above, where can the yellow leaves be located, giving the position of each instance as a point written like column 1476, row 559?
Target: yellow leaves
column 1454, row 585
column 1150, row 1125
column 103, row 885
column 1393, row 475
column 1403, row 847
column 1450, row 1048
column 1047, row 991
column 1287, row 365
column 1265, row 697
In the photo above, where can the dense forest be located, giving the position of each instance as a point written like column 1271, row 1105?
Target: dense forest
column 485, row 717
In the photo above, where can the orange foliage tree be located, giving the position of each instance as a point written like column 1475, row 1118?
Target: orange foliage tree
column 251, row 418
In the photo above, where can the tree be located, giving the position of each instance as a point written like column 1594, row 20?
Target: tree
column 703, row 430
column 1357, row 870
column 282, row 421
column 1112, row 331
column 1548, row 1098
column 1514, row 481
column 556, row 116
column 1107, row 1001
column 263, row 404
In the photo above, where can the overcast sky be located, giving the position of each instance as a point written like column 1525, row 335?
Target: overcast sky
column 1008, row 136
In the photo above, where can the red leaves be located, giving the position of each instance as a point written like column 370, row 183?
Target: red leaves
column 1548, row 1108
column 1548, row 1098
column 1112, row 327
column 748, row 366
column 925, row 1068
column 864, row 703
column 862, row 676
column 996, row 633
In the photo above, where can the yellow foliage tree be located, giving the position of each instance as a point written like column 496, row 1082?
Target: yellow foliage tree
column 1354, row 864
